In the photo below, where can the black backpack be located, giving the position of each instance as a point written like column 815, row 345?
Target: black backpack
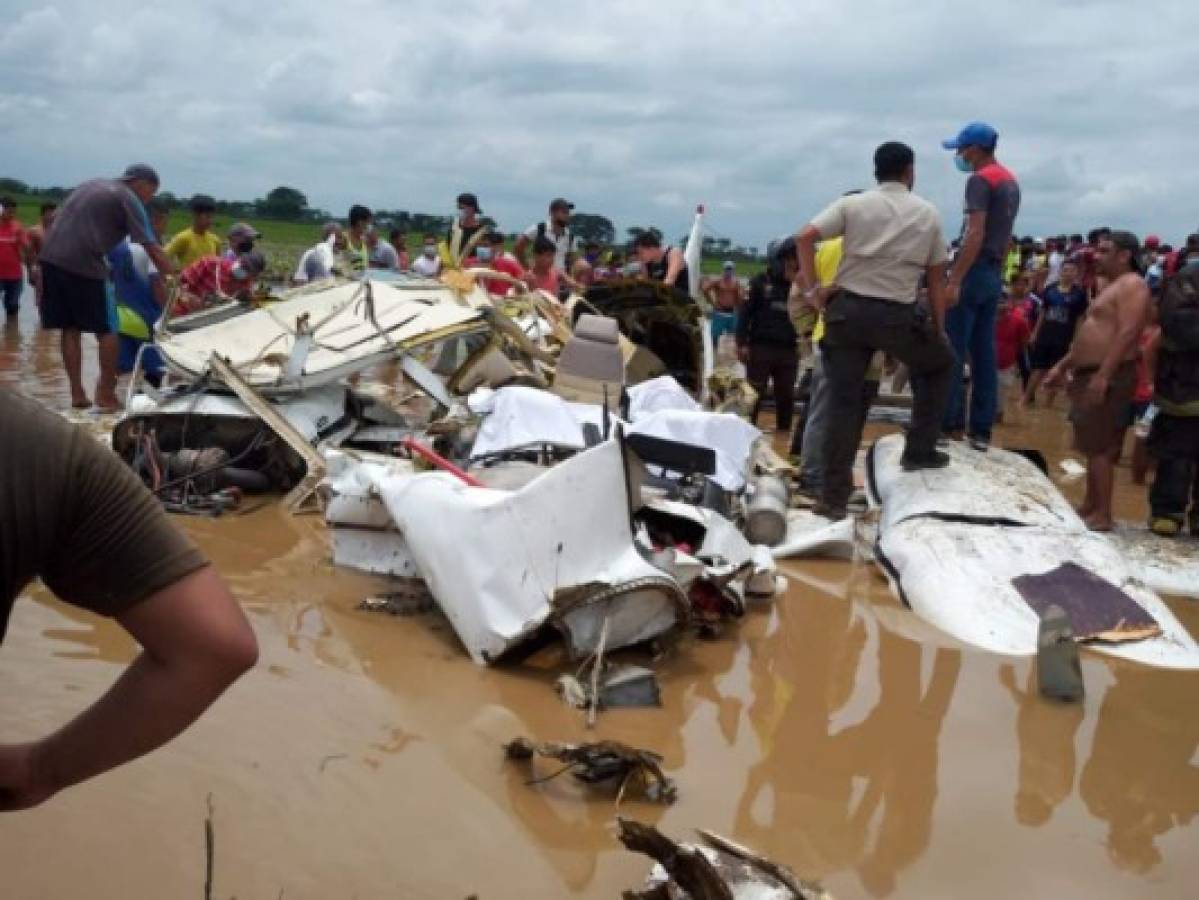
column 1178, row 310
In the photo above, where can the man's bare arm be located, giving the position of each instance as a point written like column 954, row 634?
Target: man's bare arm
column 159, row 288
column 674, row 266
column 196, row 643
column 520, row 251
column 161, row 261
column 972, row 244
column 805, row 249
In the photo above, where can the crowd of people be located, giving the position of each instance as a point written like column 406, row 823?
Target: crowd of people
column 980, row 326
column 867, row 284
column 983, row 327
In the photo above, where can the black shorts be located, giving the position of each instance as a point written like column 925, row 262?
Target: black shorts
column 74, row 302
column 1045, row 356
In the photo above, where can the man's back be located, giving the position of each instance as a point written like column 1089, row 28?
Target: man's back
column 92, row 220
column 890, row 236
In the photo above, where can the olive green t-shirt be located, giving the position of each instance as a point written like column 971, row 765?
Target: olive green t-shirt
column 73, row 514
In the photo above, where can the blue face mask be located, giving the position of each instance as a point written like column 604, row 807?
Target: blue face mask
column 962, row 164
column 483, row 254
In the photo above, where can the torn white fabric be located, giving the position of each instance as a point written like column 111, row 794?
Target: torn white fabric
column 658, row 394
column 730, row 436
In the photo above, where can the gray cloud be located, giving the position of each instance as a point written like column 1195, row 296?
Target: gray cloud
column 763, row 110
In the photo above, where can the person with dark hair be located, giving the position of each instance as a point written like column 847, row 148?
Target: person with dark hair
column 1062, row 306
column 664, row 264
column 892, row 240
column 96, row 216
column 428, row 263
column 197, row 241
column 466, row 221
column 556, row 228
column 767, row 342
column 726, row 296
column 399, row 241
column 356, row 257
column 975, row 281
column 74, row 515
column 493, row 255
column 1100, row 370
column 543, row 275
column 35, row 239
column 13, row 241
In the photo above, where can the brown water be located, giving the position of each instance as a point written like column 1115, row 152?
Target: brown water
column 830, row 730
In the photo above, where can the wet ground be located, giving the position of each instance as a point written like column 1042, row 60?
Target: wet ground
column 830, row 730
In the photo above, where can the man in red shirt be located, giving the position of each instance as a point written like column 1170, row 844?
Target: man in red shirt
column 491, row 253
column 215, row 278
column 12, row 255
column 1012, row 334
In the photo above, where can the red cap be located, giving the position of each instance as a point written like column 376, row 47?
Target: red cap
column 1152, row 242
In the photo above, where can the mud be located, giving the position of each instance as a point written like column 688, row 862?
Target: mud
column 831, row 731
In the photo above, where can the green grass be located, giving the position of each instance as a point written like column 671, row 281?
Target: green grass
column 283, row 242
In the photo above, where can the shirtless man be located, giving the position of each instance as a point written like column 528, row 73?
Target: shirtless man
column 1100, row 370
column 726, row 296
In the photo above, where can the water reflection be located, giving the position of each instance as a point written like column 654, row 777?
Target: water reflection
column 860, row 797
column 1140, row 778
column 1045, row 731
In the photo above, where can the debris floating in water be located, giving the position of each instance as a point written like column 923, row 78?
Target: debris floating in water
column 722, row 870
column 411, row 598
column 601, row 762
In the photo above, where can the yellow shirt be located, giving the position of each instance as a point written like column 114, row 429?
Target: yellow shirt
column 828, row 258
column 187, row 247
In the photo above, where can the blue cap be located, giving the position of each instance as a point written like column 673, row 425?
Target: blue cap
column 976, row 134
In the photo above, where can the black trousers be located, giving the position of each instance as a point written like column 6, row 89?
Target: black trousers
column 777, row 364
column 856, row 327
column 1174, row 440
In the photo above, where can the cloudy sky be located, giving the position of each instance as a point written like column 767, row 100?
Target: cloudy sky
column 638, row 110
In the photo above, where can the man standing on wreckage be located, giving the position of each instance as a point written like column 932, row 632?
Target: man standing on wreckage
column 892, row 240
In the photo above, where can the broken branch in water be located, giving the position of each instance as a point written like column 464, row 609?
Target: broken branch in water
column 687, row 866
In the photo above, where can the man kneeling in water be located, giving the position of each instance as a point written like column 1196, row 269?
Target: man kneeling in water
column 1100, row 368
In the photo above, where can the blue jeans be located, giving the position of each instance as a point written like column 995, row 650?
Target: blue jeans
column 722, row 323
column 11, row 289
column 970, row 326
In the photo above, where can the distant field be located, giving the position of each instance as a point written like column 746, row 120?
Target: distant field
column 283, row 242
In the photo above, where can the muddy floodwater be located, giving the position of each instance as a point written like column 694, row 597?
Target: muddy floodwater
column 829, row 729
